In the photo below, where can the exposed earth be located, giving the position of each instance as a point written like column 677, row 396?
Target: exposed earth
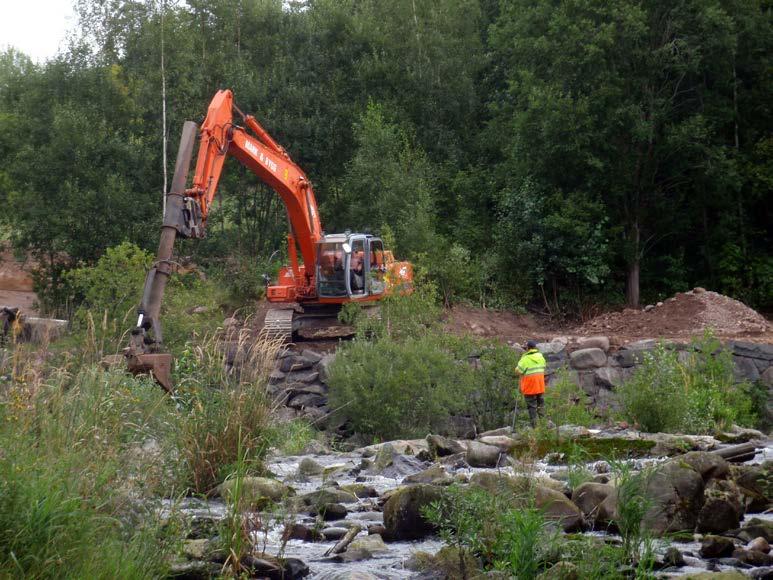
column 16, row 283
column 682, row 316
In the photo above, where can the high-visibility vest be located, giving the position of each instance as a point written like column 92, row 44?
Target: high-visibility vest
column 532, row 368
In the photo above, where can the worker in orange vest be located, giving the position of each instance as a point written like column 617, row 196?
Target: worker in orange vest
column 531, row 369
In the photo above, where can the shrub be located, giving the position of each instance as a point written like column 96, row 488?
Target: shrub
column 492, row 389
column 401, row 316
column 390, row 389
column 566, row 402
column 695, row 395
column 114, row 284
column 109, row 293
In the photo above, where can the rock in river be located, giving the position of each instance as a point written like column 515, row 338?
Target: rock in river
column 402, row 512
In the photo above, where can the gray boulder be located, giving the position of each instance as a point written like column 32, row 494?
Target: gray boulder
column 608, row 377
column 676, row 495
column 309, row 467
column 756, row 485
column 502, row 442
column 440, row 446
column 558, row 508
column 256, row 491
column 403, row 517
column 389, row 463
column 722, row 509
column 589, row 498
column 601, row 342
column 716, row 547
column 435, row 475
column 708, row 465
column 328, row 495
column 587, row 358
column 482, row 455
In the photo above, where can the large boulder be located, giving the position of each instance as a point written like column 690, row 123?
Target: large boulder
column 589, row 498
column 716, row 546
column 482, row 455
column 756, row 485
column 327, row 495
column 675, row 491
column 504, row 443
column 403, row 517
column 708, row 465
column 255, row 491
column 555, row 505
column 558, row 508
column 722, row 508
column 601, row 342
column 588, row 358
column 498, row 483
column 389, row 463
column 440, row 446
column 755, row 528
column 435, row 475
column 608, row 377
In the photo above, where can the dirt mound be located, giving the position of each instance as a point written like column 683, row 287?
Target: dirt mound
column 685, row 314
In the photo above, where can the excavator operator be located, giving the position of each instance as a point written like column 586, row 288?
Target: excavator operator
column 357, row 273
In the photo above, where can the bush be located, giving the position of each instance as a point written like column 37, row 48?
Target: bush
column 492, row 389
column 390, row 389
column 401, row 316
column 114, row 284
column 696, row 395
column 566, row 403
column 109, row 293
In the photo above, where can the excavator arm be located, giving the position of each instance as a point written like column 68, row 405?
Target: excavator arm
column 187, row 211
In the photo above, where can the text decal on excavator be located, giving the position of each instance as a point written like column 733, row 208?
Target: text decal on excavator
column 264, row 159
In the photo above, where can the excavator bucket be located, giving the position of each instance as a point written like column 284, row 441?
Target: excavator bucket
column 159, row 366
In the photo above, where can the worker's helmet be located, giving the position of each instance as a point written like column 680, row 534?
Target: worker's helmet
column 531, row 344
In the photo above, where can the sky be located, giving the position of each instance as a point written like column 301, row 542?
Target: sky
column 35, row 27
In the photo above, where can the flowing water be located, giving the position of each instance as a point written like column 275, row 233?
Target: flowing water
column 391, row 564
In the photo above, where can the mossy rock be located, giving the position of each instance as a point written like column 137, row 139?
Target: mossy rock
column 447, row 563
column 256, row 492
column 730, row 575
column 403, row 517
column 592, row 448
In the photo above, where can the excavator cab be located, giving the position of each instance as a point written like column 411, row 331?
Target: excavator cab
column 350, row 266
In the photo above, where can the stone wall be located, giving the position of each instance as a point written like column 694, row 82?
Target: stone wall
column 299, row 380
column 599, row 369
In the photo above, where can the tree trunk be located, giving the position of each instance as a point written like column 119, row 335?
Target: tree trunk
column 634, row 265
column 632, row 286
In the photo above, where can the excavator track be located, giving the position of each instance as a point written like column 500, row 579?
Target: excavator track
column 278, row 324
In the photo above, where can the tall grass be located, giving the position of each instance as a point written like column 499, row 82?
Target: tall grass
column 84, row 451
column 505, row 529
column 225, row 409
column 70, row 475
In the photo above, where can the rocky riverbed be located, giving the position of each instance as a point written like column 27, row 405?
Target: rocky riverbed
column 325, row 496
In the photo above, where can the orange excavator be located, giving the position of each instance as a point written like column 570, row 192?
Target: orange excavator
column 333, row 269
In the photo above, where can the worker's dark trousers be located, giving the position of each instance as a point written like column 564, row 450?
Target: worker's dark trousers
column 536, row 406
